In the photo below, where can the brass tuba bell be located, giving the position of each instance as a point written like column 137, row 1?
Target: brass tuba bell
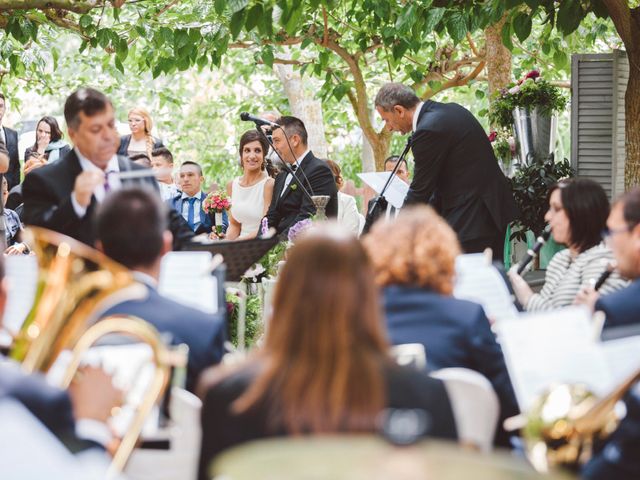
column 75, row 285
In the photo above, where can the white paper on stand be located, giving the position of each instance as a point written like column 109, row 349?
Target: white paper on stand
column 549, row 348
column 396, row 191
column 480, row 282
column 186, row 278
column 22, row 280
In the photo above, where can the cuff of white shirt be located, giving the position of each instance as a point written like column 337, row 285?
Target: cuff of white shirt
column 89, row 429
column 79, row 209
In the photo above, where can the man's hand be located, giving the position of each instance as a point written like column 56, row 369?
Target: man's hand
column 93, row 395
column 587, row 296
column 15, row 249
column 85, row 185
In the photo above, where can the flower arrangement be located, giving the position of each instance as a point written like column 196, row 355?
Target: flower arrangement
column 504, row 146
column 529, row 92
column 215, row 204
column 298, row 228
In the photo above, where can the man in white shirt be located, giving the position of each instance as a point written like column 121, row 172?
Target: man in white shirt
column 162, row 165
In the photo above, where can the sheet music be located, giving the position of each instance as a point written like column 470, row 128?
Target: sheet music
column 22, row 279
column 547, row 348
column 622, row 356
column 186, row 278
column 396, row 191
column 481, row 283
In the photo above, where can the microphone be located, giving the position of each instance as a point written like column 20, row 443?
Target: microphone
column 247, row 117
column 533, row 252
column 611, row 266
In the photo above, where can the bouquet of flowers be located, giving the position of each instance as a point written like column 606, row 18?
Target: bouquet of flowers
column 215, row 204
column 504, row 145
column 530, row 92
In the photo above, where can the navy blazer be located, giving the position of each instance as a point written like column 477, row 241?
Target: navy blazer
column 457, row 172
column 204, row 333
column 206, row 220
column 622, row 307
column 455, row 333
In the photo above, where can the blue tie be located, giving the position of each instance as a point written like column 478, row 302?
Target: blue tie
column 191, row 212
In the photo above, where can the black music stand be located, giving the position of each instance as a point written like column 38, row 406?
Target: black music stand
column 238, row 255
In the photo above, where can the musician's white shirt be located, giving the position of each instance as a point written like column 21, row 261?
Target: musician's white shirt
column 99, row 192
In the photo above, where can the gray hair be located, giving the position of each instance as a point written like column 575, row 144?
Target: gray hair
column 392, row 94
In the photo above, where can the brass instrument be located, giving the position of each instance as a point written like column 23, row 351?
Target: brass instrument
column 566, row 422
column 75, row 284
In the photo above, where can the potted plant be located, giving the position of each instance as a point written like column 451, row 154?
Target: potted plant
column 529, row 106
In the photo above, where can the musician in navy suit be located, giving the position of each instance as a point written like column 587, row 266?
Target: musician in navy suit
column 189, row 202
column 623, row 237
column 132, row 229
column 63, row 195
column 413, row 258
column 290, row 203
column 456, row 170
column 10, row 139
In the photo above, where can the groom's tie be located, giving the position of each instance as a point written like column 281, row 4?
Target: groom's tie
column 191, row 212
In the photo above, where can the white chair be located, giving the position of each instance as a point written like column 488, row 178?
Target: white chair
column 410, row 354
column 181, row 460
column 474, row 403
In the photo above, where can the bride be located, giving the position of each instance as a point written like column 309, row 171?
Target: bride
column 251, row 192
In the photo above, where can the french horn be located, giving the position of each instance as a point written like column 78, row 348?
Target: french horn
column 75, row 285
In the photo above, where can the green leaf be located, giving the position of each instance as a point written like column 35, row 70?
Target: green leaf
column 294, row 20
column 85, row 21
column 570, row 14
column 506, row 35
column 340, row 91
column 522, row 26
column 456, row 26
column 219, row 6
column 560, row 59
column 406, row 18
column 253, row 17
column 237, row 5
column 480, row 94
column 236, row 23
column 267, row 56
column 119, row 65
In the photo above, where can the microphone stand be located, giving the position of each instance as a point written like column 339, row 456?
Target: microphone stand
column 380, row 199
column 285, row 164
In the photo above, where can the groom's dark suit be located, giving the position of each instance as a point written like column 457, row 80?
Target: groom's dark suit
column 293, row 205
column 13, row 173
column 47, row 200
column 457, row 172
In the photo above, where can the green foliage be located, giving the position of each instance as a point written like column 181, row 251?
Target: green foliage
column 531, row 93
column 253, row 321
column 530, row 187
column 272, row 258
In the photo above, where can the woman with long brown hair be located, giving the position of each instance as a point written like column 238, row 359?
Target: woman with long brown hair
column 324, row 366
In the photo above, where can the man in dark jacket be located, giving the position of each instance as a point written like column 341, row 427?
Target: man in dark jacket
column 9, row 138
column 455, row 168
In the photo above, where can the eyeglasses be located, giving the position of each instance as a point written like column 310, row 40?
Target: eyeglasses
column 610, row 232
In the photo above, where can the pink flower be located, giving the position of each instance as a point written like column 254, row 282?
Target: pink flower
column 514, row 90
column 533, row 74
column 493, row 135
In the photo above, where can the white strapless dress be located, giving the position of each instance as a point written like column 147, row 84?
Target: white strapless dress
column 247, row 205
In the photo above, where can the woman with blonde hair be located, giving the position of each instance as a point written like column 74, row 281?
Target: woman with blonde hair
column 324, row 366
column 414, row 263
column 140, row 140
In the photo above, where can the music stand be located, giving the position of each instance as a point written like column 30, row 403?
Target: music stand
column 238, row 255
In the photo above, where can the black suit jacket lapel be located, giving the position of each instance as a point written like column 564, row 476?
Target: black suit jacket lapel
column 304, row 165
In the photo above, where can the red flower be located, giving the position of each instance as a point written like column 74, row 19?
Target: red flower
column 493, row 135
column 533, row 74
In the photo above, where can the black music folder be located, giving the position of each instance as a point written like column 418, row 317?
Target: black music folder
column 239, row 255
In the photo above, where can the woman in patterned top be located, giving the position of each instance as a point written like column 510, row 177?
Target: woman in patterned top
column 577, row 215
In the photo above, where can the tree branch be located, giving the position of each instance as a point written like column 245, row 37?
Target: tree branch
column 457, row 81
column 472, row 45
column 75, row 6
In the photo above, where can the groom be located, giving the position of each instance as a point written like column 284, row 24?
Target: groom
column 290, row 203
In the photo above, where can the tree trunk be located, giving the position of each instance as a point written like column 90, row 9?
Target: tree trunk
column 305, row 107
column 632, row 123
column 498, row 58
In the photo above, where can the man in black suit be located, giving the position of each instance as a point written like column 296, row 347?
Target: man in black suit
column 455, row 168
column 63, row 195
column 10, row 139
column 132, row 229
column 290, row 203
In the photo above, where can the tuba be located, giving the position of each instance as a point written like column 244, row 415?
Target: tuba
column 75, row 285
column 567, row 422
